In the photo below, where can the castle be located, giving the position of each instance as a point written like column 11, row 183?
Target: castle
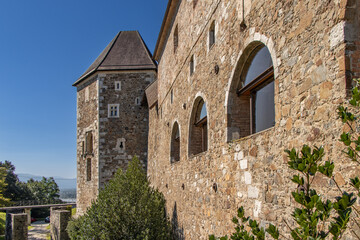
column 237, row 83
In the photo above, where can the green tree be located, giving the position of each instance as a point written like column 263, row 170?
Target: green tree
column 127, row 208
column 46, row 190
column 3, row 200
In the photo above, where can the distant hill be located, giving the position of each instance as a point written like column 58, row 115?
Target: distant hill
column 63, row 183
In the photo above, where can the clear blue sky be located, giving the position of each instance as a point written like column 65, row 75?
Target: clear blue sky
column 45, row 45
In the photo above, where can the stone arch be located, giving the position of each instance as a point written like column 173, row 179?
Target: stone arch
column 251, row 43
column 198, row 131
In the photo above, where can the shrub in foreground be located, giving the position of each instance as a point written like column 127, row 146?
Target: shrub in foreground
column 127, row 208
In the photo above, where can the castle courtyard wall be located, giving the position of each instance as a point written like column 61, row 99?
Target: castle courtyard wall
column 309, row 42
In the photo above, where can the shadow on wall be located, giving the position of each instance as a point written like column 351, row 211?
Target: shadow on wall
column 178, row 232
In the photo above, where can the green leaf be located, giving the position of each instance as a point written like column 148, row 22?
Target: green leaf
column 273, row 231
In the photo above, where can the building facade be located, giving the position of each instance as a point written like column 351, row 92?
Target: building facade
column 112, row 117
column 238, row 83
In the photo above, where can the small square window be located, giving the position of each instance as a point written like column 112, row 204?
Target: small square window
column 113, row 110
column 118, row 85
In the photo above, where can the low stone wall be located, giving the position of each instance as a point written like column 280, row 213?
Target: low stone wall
column 58, row 223
column 16, row 227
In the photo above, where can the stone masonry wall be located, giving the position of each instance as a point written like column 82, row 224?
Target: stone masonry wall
column 59, row 222
column 87, row 121
column 308, row 46
column 125, row 136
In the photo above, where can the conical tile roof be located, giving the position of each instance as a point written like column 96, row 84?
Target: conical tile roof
column 127, row 51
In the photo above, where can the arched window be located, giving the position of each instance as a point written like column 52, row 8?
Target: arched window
column 251, row 105
column 175, row 144
column 198, row 128
column 176, row 38
column 212, row 34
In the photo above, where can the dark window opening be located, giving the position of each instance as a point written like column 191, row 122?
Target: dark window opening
column 88, row 143
column 88, row 169
column 171, row 96
column 192, row 66
column 176, row 38
column 212, row 34
column 198, row 129
column 82, row 148
column 175, row 144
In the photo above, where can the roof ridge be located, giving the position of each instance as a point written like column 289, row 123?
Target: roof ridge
column 116, row 38
column 147, row 49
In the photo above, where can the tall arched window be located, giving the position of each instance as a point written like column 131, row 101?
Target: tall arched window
column 198, row 128
column 251, row 103
column 175, row 144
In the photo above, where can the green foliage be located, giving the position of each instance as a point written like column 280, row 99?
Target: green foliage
column 45, row 190
column 242, row 224
column 127, row 208
column 2, row 222
column 3, row 200
column 15, row 190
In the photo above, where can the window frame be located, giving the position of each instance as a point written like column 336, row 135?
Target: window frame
column 198, row 128
column 252, row 87
column 175, row 140
column 212, row 34
column 117, row 110
column 116, row 84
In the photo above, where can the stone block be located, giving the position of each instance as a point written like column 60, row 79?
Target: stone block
column 18, row 227
column 243, row 164
column 58, row 224
column 253, row 192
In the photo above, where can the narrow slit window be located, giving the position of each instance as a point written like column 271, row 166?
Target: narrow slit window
column 118, row 85
column 88, row 143
column 88, row 169
column 192, row 65
column 212, row 34
column 176, row 38
column 175, row 144
column 137, row 101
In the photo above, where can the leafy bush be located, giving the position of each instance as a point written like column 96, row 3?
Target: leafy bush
column 2, row 222
column 127, row 208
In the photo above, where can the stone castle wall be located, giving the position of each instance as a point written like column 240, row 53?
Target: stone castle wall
column 87, row 121
column 126, row 136
column 309, row 46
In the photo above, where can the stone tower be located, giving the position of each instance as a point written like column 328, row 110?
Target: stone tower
column 112, row 118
